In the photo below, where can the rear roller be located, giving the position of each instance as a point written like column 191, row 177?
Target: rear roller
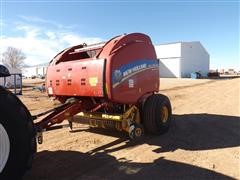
column 17, row 137
column 156, row 114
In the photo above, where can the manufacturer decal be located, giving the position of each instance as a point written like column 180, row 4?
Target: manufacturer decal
column 118, row 75
column 126, row 71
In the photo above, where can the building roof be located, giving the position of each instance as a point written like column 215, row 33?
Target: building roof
column 177, row 42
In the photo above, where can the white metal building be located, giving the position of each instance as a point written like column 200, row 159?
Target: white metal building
column 180, row 59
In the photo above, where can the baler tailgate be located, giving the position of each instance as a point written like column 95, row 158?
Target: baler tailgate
column 77, row 78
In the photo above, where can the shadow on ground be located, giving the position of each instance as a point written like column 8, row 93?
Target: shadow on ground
column 189, row 132
column 201, row 132
column 74, row 165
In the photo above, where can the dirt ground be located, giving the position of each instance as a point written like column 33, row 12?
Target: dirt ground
column 202, row 143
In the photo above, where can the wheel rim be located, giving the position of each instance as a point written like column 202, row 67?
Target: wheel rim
column 138, row 132
column 164, row 116
column 4, row 148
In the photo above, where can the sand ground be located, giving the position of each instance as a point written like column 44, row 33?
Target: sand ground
column 202, row 143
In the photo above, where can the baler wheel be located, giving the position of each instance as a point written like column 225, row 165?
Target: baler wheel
column 156, row 114
column 17, row 134
column 136, row 131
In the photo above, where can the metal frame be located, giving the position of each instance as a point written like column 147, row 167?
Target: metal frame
column 72, row 110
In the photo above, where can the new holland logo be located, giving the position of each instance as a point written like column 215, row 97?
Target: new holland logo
column 129, row 70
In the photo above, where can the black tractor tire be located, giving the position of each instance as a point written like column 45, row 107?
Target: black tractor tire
column 17, row 122
column 156, row 114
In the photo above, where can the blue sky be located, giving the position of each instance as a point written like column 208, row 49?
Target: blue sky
column 43, row 28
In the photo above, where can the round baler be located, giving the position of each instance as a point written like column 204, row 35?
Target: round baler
column 116, row 84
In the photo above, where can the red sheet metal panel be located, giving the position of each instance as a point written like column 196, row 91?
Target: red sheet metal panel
column 134, row 71
column 76, row 78
column 131, row 81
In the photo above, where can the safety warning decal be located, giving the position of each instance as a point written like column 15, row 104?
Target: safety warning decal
column 93, row 81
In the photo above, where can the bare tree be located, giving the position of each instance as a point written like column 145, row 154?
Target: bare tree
column 13, row 57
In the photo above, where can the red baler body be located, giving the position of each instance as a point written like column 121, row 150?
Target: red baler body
column 121, row 70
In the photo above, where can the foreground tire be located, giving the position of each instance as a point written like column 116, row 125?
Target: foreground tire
column 156, row 114
column 17, row 137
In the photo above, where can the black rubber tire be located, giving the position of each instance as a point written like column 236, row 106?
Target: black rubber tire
column 17, row 121
column 151, row 114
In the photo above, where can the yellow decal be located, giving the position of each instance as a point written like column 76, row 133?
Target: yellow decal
column 113, row 117
column 93, row 81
